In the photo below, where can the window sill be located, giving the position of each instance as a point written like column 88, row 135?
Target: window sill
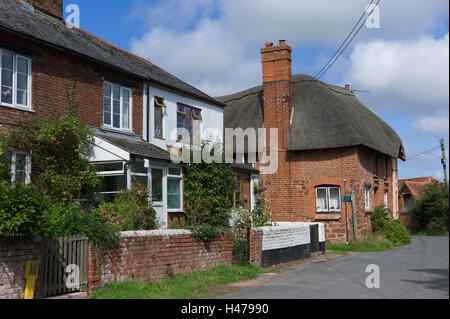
column 328, row 216
column 117, row 130
column 19, row 108
column 159, row 138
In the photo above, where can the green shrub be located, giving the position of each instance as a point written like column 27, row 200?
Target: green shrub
column 260, row 213
column 430, row 209
column 208, row 193
column 21, row 210
column 392, row 230
column 130, row 210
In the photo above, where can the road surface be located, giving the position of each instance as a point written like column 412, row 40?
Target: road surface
column 419, row 270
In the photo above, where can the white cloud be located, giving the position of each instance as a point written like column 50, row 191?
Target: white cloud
column 413, row 74
column 214, row 45
column 437, row 126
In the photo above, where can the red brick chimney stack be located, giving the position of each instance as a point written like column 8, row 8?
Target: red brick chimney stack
column 50, row 7
column 278, row 105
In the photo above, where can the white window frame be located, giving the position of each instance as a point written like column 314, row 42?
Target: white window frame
column 111, row 174
column 150, row 185
column 328, row 210
column 179, row 177
column 14, row 103
column 130, row 106
column 13, row 166
column 366, row 198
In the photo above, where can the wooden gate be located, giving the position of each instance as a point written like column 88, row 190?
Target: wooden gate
column 314, row 233
column 57, row 255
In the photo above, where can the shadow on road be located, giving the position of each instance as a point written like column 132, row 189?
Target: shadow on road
column 439, row 282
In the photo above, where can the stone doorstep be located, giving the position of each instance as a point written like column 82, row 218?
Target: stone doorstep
column 75, row 295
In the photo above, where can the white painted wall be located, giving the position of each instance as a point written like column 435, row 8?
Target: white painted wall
column 212, row 116
column 289, row 234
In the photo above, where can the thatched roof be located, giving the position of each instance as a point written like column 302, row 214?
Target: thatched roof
column 325, row 116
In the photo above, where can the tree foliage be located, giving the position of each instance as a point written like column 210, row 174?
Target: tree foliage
column 430, row 209
column 59, row 147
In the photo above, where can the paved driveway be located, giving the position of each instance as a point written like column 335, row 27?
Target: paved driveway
column 419, row 270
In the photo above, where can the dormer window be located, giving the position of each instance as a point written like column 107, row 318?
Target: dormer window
column 116, row 106
column 15, row 80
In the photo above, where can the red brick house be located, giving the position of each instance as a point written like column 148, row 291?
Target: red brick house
column 329, row 144
column 407, row 190
column 131, row 104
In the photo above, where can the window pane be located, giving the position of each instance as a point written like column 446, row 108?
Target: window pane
column 22, row 65
column 173, row 193
column 126, row 108
column 126, row 115
column 157, row 176
column 180, row 108
column 109, row 167
column 321, row 200
column 116, row 113
column 158, row 122
column 138, row 180
column 106, row 103
column 21, row 160
column 7, row 78
column 175, row 171
column 112, row 183
column 335, row 203
column 138, row 167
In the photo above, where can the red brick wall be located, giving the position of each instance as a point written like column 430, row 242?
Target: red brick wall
column 50, row 73
column 148, row 254
column 13, row 257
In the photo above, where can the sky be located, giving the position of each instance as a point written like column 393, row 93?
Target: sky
column 402, row 66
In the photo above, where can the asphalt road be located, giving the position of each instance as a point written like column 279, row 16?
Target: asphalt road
column 416, row 271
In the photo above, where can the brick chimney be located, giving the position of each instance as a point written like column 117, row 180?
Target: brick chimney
column 276, row 70
column 50, row 7
column 278, row 106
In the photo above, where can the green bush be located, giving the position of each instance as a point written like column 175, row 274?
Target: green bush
column 208, row 193
column 392, row 230
column 260, row 213
column 430, row 210
column 130, row 210
column 21, row 210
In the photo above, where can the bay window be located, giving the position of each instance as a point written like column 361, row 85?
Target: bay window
column 328, row 199
column 15, row 80
column 116, row 106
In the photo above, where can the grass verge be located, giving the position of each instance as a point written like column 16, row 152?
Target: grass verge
column 183, row 286
column 372, row 243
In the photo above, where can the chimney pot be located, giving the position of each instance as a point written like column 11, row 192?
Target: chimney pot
column 269, row 44
column 282, row 42
column 347, row 87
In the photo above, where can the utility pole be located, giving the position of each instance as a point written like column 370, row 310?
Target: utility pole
column 444, row 162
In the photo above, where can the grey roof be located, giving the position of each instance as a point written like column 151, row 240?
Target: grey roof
column 325, row 116
column 244, row 168
column 135, row 145
column 45, row 29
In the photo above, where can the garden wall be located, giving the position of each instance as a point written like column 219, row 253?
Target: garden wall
column 13, row 257
column 154, row 254
column 287, row 241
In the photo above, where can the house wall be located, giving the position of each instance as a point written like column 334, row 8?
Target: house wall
column 51, row 71
column 212, row 116
column 291, row 192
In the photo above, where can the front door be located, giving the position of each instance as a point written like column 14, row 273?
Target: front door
column 157, row 190
column 242, row 193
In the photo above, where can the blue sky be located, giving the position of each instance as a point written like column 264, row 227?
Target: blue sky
column 214, row 45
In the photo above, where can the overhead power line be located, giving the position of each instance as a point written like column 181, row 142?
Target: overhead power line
column 342, row 47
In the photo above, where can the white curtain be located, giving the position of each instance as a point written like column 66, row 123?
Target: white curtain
column 321, row 199
column 334, row 199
